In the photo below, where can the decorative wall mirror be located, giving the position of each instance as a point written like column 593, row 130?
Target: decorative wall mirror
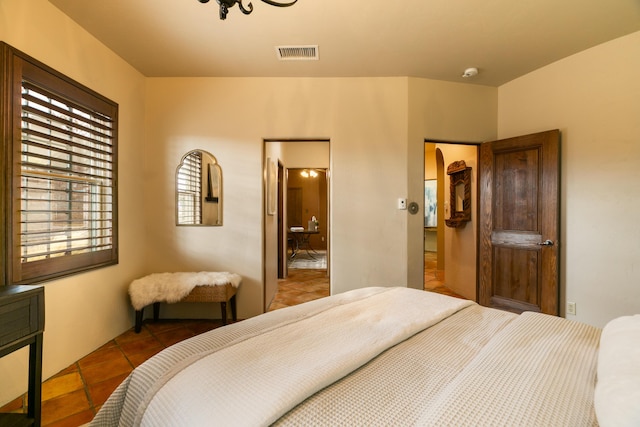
column 198, row 190
column 460, row 199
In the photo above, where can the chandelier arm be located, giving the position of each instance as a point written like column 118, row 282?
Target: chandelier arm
column 226, row 4
column 246, row 11
column 273, row 3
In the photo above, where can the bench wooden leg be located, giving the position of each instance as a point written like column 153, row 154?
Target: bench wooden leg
column 156, row 313
column 139, row 314
column 234, row 311
column 223, row 311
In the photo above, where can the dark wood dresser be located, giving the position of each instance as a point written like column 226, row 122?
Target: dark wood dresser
column 22, row 324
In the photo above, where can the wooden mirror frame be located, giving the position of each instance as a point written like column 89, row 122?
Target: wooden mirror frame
column 460, row 181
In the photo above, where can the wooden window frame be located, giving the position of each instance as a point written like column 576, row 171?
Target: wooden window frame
column 92, row 215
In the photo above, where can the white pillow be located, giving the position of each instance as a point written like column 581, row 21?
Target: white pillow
column 617, row 393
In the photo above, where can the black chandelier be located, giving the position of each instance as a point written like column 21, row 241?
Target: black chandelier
column 226, row 4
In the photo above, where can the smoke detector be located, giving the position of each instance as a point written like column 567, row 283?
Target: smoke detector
column 470, row 72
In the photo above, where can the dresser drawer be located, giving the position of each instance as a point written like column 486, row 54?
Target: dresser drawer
column 21, row 312
column 22, row 324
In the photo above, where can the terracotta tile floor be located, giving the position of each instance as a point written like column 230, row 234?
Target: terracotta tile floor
column 72, row 397
column 432, row 282
column 302, row 285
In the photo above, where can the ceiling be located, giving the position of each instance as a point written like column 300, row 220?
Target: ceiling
column 436, row 39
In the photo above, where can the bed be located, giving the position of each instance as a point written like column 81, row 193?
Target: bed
column 384, row 356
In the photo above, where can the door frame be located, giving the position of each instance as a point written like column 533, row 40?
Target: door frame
column 282, row 246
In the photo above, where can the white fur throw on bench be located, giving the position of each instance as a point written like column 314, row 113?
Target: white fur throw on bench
column 172, row 287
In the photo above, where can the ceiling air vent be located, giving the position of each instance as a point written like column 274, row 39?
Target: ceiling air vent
column 297, row 53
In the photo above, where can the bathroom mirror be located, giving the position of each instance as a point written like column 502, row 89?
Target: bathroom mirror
column 198, row 190
column 460, row 197
column 459, row 191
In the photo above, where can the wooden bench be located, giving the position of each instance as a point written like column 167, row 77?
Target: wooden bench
column 221, row 293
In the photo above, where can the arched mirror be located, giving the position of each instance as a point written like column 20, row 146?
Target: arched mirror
column 198, row 190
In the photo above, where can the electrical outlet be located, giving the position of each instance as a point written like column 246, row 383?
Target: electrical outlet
column 571, row 308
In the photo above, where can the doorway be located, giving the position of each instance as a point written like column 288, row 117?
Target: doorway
column 307, row 218
column 295, row 208
column 449, row 253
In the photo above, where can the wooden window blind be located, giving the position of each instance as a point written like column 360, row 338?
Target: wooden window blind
column 64, row 193
column 190, row 190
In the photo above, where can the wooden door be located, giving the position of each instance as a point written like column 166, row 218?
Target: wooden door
column 282, row 234
column 294, row 207
column 519, row 223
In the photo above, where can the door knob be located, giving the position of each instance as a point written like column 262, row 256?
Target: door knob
column 546, row 243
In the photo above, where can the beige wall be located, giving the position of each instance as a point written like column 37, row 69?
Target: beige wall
column 306, row 154
column 447, row 112
column 460, row 244
column 594, row 99
column 86, row 310
column 365, row 119
column 430, row 165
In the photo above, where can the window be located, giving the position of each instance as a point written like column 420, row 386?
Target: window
column 189, row 188
column 60, row 158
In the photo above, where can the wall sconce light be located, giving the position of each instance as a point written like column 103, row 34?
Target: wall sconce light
column 309, row 173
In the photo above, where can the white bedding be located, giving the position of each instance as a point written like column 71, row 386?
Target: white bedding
column 617, row 395
column 377, row 356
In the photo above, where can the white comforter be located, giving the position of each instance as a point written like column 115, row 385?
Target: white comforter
column 373, row 356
